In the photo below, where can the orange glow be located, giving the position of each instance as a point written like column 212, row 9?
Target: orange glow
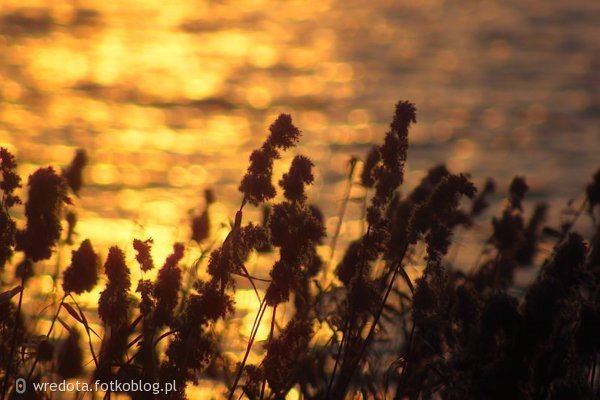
column 170, row 98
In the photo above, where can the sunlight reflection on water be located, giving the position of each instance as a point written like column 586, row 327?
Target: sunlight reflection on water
column 171, row 99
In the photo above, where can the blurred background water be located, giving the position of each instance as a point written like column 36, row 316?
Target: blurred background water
column 169, row 98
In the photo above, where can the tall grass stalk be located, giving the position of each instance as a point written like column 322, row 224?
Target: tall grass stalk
column 371, row 331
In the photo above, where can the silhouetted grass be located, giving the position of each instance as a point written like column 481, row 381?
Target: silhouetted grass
column 443, row 334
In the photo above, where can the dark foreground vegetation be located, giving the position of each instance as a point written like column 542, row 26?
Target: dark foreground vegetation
column 448, row 334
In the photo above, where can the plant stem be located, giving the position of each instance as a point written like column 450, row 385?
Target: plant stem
column 35, row 360
column 264, row 382
column 256, row 325
column 341, row 214
column 193, row 271
column 14, row 336
column 408, row 351
column 397, row 269
column 337, row 361
column 350, row 325
column 87, row 330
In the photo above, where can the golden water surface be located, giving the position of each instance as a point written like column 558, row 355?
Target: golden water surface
column 169, row 98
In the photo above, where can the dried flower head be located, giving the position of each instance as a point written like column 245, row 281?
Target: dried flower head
column 529, row 246
column 256, row 184
column 266, row 217
column 201, row 227
column 283, row 133
column 508, row 231
column 116, row 269
column 296, row 228
column 10, row 179
column 283, row 276
column 292, row 225
column 113, row 305
column 284, row 355
column 441, row 205
column 71, row 219
column 389, row 173
column 146, row 288
column 299, row 175
column 406, row 113
column 345, row 270
column 481, row 202
column 438, row 241
column 593, row 191
column 373, row 158
column 8, row 230
column 73, row 174
column 143, row 255
column 518, row 189
column 82, row 275
column 209, row 196
column 201, row 223
column 188, row 354
column 194, row 346
column 230, row 258
column 70, row 356
column 167, row 286
column 211, row 303
column 47, row 193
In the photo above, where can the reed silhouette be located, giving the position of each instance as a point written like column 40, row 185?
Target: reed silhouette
column 443, row 333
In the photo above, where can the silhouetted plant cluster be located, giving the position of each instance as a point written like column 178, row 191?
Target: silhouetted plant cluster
column 368, row 326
